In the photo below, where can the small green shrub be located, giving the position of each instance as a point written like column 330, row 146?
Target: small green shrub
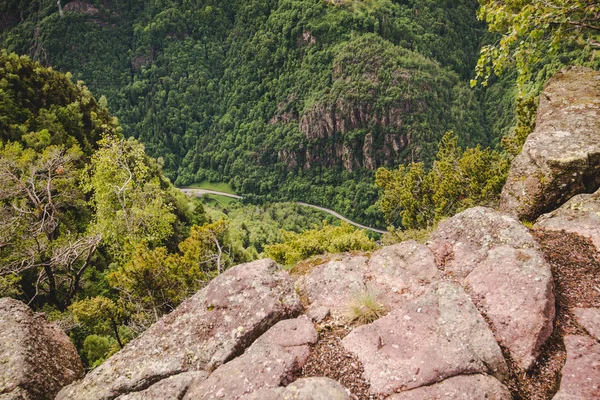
column 328, row 239
column 98, row 348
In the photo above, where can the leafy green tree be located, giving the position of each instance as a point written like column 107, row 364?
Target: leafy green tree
column 101, row 314
column 40, row 107
column 204, row 250
column 40, row 230
column 150, row 284
column 128, row 195
column 531, row 30
column 97, row 348
column 416, row 199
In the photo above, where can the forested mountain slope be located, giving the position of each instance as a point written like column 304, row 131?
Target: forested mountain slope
column 294, row 99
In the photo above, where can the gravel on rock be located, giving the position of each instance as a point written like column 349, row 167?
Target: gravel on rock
column 328, row 358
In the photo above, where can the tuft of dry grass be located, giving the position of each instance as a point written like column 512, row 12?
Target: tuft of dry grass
column 365, row 308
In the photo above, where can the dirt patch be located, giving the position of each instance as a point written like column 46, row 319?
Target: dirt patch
column 576, row 267
column 328, row 358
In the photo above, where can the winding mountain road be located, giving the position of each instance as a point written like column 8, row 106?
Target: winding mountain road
column 202, row 192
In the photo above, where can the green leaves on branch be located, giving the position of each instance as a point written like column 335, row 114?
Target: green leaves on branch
column 415, row 199
column 153, row 282
column 128, row 195
column 532, row 30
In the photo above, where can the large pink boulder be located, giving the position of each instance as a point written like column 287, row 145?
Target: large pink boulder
column 394, row 274
column 589, row 318
column 270, row 362
column 174, row 387
column 36, row 358
column 303, row 389
column 207, row 330
column 436, row 336
column 401, row 272
column 333, row 284
column 497, row 259
column 463, row 387
column 581, row 373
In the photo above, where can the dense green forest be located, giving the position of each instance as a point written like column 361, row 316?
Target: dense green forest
column 284, row 99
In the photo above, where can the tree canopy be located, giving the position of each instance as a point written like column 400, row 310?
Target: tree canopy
column 532, row 30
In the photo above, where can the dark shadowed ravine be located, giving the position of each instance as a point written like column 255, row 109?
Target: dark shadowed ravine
column 202, row 192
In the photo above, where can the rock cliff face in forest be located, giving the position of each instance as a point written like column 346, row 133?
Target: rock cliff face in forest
column 384, row 104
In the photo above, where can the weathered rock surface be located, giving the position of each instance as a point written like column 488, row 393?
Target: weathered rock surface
column 332, row 285
column 515, row 288
column 36, row 358
column 174, row 387
column 580, row 215
column 439, row 335
column 561, row 157
column 465, row 387
column 589, row 319
column 460, row 243
column 499, row 261
column 269, row 363
column 394, row 274
column 207, row 330
column 317, row 313
column 581, row 373
column 401, row 272
column 303, row 389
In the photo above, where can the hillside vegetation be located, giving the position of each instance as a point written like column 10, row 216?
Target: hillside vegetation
column 286, row 99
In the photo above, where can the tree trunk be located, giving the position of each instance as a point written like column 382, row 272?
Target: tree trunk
column 116, row 330
column 52, row 298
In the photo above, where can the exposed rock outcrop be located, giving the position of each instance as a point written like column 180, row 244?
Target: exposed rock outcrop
column 581, row 215
column 561, row 158
column 380, row 109
column 439, row 335
column 269, row 363
column 207, row 330
column 333, row 284
column 480, row 286
column 81, row 7
column 401, row 272
column 581, row 373
column 394, row 274
column 467, row 387
column 304, row 389
column 174, row 387
column 36, row 358
column 589, row 319
column 502, row 265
